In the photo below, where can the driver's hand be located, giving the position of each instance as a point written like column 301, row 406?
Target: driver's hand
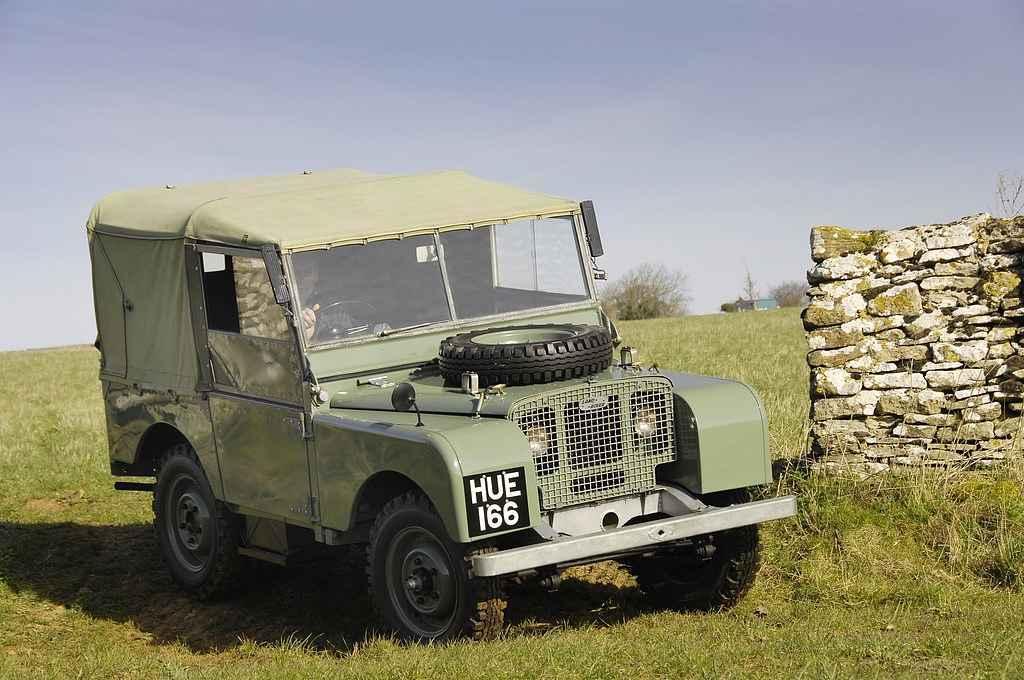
column 308, row 323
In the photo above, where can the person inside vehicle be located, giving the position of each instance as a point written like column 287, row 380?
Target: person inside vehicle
column 308, row 276
column 322, row 316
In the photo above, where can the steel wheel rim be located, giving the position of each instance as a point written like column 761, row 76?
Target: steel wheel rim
column 421, row 582
column 187, row 524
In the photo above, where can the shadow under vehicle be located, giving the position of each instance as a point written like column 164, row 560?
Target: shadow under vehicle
column 418, row 365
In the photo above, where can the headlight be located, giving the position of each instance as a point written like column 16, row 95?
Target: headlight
column 538, row 438
column 645, row 423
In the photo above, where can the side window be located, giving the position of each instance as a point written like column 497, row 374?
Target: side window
column 239, row 298
column 219, row 292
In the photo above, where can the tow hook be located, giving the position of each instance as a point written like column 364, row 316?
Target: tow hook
column 551, row 581
column 706, row 551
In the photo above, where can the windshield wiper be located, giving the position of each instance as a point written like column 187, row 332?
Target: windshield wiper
column 392, row 331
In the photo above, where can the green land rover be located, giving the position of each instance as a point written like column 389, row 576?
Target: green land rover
column 418, row 365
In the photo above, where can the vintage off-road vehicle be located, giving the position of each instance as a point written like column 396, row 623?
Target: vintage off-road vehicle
column 418, row 365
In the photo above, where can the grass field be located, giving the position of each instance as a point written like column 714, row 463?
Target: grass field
column 908, row 576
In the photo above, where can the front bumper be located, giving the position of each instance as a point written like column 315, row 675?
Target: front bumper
column 576, row 549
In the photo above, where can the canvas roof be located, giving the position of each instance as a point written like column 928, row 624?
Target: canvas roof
column 319, row 208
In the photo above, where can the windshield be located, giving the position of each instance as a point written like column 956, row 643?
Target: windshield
column 385, row 286
column 515, row 266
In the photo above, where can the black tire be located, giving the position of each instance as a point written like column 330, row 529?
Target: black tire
column 409, row 541
column 681, row 579
column 526, row 355
column 198, row 535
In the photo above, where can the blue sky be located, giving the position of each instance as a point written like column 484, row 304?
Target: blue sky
column 709, row 135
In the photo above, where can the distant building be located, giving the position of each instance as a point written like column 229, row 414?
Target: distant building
column 756, row 305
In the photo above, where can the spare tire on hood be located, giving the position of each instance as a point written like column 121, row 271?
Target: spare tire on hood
column 526, row 355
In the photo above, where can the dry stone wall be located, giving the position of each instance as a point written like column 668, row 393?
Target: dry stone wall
column 916, row 344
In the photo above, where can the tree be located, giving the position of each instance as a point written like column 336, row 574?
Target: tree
column 647, row 291
column 749, row 287
column 790, row 293
column 1010, row 192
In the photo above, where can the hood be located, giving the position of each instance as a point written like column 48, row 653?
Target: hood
column 432, row 396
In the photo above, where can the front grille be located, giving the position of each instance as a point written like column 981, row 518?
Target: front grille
column 592, row 448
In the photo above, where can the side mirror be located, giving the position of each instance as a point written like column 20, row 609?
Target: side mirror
column 590, row 224
column 403, row 398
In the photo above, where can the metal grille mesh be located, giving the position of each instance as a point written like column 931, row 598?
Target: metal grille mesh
column 590, row 447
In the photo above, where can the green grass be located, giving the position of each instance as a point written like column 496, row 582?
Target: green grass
column 894, row 576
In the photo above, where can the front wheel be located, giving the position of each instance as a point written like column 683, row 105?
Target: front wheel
column 689, row 578
column 420, row 580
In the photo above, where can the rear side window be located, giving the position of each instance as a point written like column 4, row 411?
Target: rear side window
column 239, row 297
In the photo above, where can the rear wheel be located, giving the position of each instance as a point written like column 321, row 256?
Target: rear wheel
column 707, row 576
column 420, row 580
column 197, row 534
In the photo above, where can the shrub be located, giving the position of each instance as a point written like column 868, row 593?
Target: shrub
column 647, row 291
column 790, row 294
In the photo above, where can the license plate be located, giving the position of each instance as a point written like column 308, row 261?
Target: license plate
column 496, row 501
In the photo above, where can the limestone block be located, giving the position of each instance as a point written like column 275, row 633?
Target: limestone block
column 835, row 357
column 833, row 337
column 892, row 335
column 828, row 241
column 1001, row 334
column 924, row 323
column 1000, row 284
column 910, row 430
column 956, row 378
column 966, row 432
column 939, row 255
column 940, row 366
column 973, row 391
column 947, row 282
column 844, row 267
column 936, row 299
column 861, row 404
column 931, row 401
column 1000, row 350
column 991, row 411
column 967, row 352
column 883, row 381
column 866, row 364
column 837, row 289
column 897, row 246
column 902, row 300
column 897, row 402
column 992, row 262
column 941, row 419
column 957, row 269
column 970, row 310
column 1011, row 427
column 836, row 382
column 832, row 312
column 951, row 236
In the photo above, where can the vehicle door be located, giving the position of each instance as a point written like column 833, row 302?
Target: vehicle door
column 253, row 368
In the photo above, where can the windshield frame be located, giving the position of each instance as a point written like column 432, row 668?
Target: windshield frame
column 454, row 322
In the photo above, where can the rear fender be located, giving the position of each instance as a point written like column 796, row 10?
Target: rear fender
column 131, row 414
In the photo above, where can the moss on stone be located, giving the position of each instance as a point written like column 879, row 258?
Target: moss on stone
column 829, row 240
column 1000, row 284
column 905, row 300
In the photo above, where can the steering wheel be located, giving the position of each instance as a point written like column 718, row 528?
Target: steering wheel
column 344, row 319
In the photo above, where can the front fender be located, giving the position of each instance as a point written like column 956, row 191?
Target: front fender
column 721, row 435
column 353, row 446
